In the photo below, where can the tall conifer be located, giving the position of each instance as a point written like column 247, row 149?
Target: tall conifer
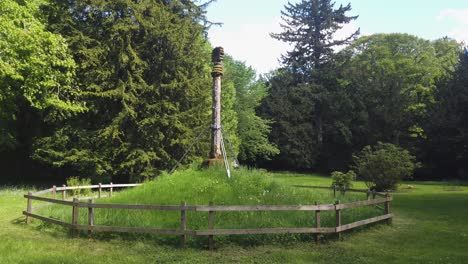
column 143, row 70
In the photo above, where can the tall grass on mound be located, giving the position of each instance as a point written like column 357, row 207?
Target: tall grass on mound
column 199, row 187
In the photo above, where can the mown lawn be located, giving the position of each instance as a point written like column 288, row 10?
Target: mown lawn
column 431, row 226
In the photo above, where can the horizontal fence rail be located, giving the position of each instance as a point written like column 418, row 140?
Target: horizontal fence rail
column 76, row 203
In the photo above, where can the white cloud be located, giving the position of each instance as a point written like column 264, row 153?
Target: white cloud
column 459, row 31
column 461, row 16
column 251, row 43
column 459, row 34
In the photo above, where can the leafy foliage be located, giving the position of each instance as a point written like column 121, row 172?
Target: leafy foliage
column 36, row 68
column 76, row 181
column 252, row 130
column 384, row 165
column 343, row 180
column 394, row 76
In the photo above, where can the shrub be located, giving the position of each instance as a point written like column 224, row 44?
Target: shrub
column 342, row 180
column 76, row 181
column 384, row 165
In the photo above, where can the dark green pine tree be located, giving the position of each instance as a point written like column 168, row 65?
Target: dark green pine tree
column 445, row 152
column 144, row 75
column 302, row 115
column 310, row 26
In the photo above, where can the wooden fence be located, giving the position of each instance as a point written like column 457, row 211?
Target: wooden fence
column 90, row 227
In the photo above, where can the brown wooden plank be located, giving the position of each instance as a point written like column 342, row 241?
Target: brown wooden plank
column 42, row 192
column 121, row 185
column 219, row 208
column 48, row 200
column 313, row 187
column 138, row 206
column 363, row 203
column 317, row 223
column 64, row 192
column 29, row 208
column 183, row 223
column 364, row 222
column 328, row 188
column 142, row 230
column 75, row 212
column 264, row 231
column 54, row 192
column 337, row 219
column 90, row 217
column 211, row 227
column 46, row 219
column 387, row 209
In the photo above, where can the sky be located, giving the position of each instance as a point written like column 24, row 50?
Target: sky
column 248, row 23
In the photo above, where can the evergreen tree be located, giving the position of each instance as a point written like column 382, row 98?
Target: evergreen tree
column 445, row 152
column 310, row 26
column 144, row 73
column 302, row 105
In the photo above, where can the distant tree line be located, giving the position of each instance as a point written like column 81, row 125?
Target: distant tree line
column 326, row 104
column 118, row 90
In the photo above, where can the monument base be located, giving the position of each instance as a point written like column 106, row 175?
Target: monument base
column 212, row 163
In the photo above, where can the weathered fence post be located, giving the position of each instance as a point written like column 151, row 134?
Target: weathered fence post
column 64, row 192
column 100, row 190
column 54, row 192
column 338, row 219
column 387, row 208
column 90, row 217
column 29, row 208
column 211, row 227
column 317, row 223
column 368, row 194
column 373, row 194
column 75, row 214
column 334, row 190
column 111, row 190
column 183, row 223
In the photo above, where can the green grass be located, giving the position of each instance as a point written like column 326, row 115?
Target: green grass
column 247, row 187
column 430, row 226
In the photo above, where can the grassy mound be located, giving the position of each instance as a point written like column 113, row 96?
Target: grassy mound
column 199, row 187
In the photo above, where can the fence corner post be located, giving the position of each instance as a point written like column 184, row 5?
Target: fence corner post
column 111, row 190
column 338, row 220
column 90, row 217
column 100, row 190
column 387, row 208
column 29, row 208
column 54, row 192
column 317, row 223
column 64, row 192
column 211, row 227
column 183, row 223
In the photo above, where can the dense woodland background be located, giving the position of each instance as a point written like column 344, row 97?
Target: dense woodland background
column 117, row 91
